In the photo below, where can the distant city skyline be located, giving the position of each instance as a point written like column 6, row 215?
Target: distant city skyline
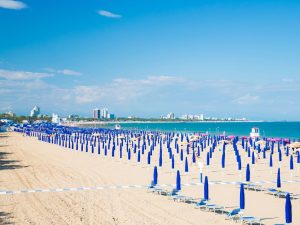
column 148, row 58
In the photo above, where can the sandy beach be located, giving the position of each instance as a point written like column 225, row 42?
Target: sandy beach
column 115, row 188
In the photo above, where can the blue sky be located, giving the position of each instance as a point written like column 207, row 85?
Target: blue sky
column 147, row 58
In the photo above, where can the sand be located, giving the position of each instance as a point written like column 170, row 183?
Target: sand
column 26, row 163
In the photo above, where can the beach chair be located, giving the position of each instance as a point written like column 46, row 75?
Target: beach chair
column 234, row 214
column 253, row 187
column 201, row 204
column 250, row 220
column 173, row 194
column 276, row 192
column 153, row 188
column 215, row 208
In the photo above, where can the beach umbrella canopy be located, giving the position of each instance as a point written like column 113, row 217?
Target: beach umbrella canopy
column 239, row 163
column 155, row 175
column 280, row 155
column 207, row 159
column 242, row 197
column 291, row 163
column 223, row 160
column 288, row 209
column 186, row 167
column 271, row 160
column 160, row 159
column 178, row 181
column 248, row 173
column 278, row 179
column 206, row 194
column 253, row 158
column 173, row 162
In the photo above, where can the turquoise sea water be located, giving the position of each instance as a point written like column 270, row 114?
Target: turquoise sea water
column 267, row 129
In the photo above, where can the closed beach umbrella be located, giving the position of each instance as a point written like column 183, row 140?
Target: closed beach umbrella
column 149, row 158
column 194, row 157
column 223, row 160
column 298, row 157
column 288, row 209
column 280, row 155
column 155, row 175
column 253, row 158
column 242, row 197
column 239, row 163
column 207, row 159
column 271, row 160
column 248, row 173
column 291, row 162
column 160, row 159
column 139, row 156
column 178, row 181
column 206, row 194
column 186, row 166
column 181, row 155
column 173, row 162
column 278, row 179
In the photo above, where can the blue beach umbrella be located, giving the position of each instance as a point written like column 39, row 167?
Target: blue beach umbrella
column 242, row 197
column 298, row 157
column 279, row 155
column 186, row 166
column 207, row 159
column 173, row 162
column 223, row 160
column 206, row 194
column 178, row 181
column 271, row 160
column 239, row 163
column 139, row 156
column 248, row 173
column 160, row 159
column 278, row 179
column 155, row 175
column 194, row 157
column 181, row 155
column 291, row 162
column 253, row 158
column 149, row 158
column 288, row 209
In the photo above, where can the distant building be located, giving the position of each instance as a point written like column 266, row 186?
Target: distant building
column 171, row 116
column 10, row 113
column 96, row 113
column 55, row 118
column 73, row 117
column 104, row 113
column 35, row 112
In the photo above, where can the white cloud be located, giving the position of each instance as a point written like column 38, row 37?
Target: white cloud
column 108, row 14
column 12, row 4
column 247, row 99
column 64, row 72
column 122, row 89
column 22, row 75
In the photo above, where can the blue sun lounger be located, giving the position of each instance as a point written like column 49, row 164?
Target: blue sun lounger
column 234, row 215
column 250, row 220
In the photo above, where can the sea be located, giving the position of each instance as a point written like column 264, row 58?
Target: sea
column 267, row 129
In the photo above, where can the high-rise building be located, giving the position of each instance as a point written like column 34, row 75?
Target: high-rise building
column 35, row 112
column 104, row 113
column 96, row 113
column 171, row 116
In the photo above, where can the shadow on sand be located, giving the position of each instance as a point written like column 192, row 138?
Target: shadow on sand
column 8, row 164
column 5, row 218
